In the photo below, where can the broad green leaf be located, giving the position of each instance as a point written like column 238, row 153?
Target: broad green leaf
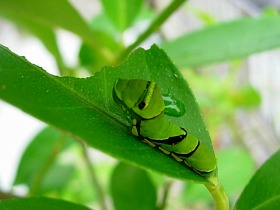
column 85, row 107
column 224, row 41
column 132, row 188
column 39, row 203
column 263, row 190
column 122, row 12
column 38, row 164
column 270, row 204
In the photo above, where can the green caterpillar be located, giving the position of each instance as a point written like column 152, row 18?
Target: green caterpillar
column 144, row 104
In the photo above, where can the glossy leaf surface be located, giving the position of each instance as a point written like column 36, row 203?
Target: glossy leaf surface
column 263, row 190
column 85, row 106
column 224, row 41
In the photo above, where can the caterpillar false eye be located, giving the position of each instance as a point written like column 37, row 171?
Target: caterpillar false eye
column 156, row 130
column 142, row 105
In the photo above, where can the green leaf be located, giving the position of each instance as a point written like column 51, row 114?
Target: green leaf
column 39, row 203
column 56, row 179
column 42, row 32
column 102, row 23
column 247, row 97
column 132, row 188
column 107, row 35
column 242, row 162
column 47, row 37
column 263, row 190
column 39, row 166
column 232, row 184
column 224, row 41
column 49, row 14
column 85, row 107
column 90, row 58
column 122, row 12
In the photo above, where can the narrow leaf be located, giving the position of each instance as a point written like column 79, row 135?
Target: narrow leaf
column 224, row 41
column 122, row 12
column 49, row 14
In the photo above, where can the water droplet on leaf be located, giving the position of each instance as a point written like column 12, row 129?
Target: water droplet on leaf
column 173, row 107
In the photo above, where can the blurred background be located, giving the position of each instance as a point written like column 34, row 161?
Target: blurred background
column 239, row 99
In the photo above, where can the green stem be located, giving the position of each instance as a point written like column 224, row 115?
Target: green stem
column 166, row 189
column 218, row 194
column 94, row 178
column 153, row 26
column 37, row 181
column 6, row 195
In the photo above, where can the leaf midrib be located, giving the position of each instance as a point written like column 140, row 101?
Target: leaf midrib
column 70, row 90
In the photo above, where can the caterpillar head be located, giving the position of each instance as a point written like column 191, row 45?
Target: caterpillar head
column 141, row 96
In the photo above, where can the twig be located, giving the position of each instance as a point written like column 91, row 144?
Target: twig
column 166, row 189
column 153, row 26
column 35, row 186
column 218, row 194
column 93, row 177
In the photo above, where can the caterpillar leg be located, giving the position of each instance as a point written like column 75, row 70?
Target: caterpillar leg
column 149, row 143
column 176, row 157
column 164, row 151
column 134, row 130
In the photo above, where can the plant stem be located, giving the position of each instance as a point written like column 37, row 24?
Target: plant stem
column 94, row 178
column 218, row 194
column 6, row 195
column 153, row 26
column 37, row 181
column 166, row 189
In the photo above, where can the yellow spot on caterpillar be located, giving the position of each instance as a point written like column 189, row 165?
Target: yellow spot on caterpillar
column 134, row 121
column 149, row 143
column 134, row 131
column 176, row 157
column 164, row 150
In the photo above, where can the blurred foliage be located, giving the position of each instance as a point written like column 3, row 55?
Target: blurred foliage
column 223, row 96
column 56, row 165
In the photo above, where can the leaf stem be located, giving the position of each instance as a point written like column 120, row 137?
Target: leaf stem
column 153, row 26
column 93, row 176
column 218, row 194
column 37, row 181
column 166, row 189
column 6, row 195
